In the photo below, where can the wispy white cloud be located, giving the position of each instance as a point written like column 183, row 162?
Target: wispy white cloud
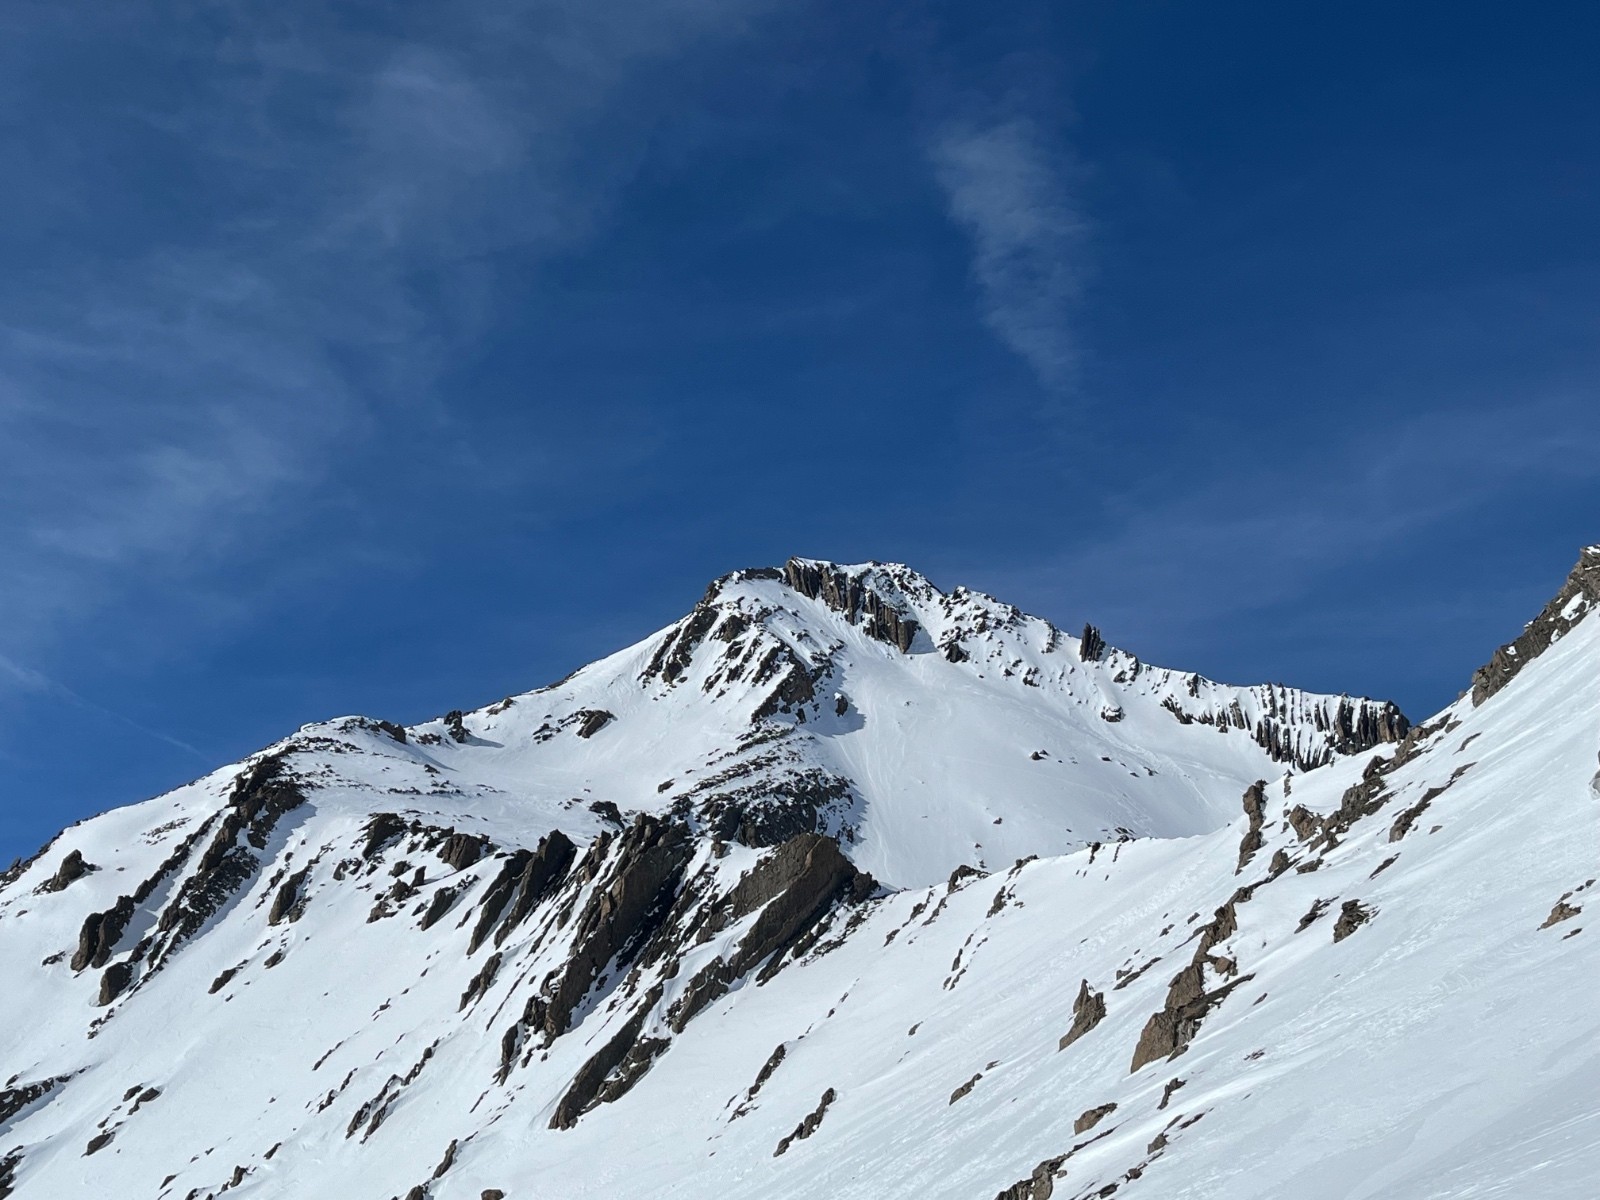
column 1012, row 189
column 176, row 389
column 26, row 679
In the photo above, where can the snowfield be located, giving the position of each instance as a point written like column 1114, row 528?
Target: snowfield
column 841, row 886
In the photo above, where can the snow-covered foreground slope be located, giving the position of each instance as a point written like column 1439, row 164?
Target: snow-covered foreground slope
column 365, row 966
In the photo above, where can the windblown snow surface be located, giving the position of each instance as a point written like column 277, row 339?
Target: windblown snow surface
column 841, row 886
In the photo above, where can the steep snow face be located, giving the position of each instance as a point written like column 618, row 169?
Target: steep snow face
column 425, row 968
column 923, row 730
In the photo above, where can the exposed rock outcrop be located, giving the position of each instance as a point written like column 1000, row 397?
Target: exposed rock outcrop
column 592, row 721
column 1041, row 1185
column 72, row 868
column 793, row 887
column 641, row 872
column 1294, row 727
column 1358, row 725
column 861, row 605
column 966, row 1088
column 461, row 850
column 809, row 1125
column 538, row 879
column 1091, row 647
column 1088, row 1010
column 1352, row 916
column 1561, row 912
column 769, row 810
column 382, row 831
column 1168, row 1033
column 1304, row 822
column 774, row 1061
column 1093, row 1117
column 101, row 932
column 525, row 878
column 448, row 1160
column 613, row 1069
column 289, row 902
column 795, row 686
column 114, row 982
column 676, row 651
column 443, row 901
column 261, row 797
column 14, row 1099
column 1361, row 799
column 607, row 811
column 1576, row 597
column 481, row 982
column 19, row 866
column 1255, row 809
column 1409, row 816
column 1312, row 914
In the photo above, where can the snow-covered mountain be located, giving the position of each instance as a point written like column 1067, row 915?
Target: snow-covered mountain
column 839, row 886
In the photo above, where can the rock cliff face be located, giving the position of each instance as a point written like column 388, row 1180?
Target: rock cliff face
column 842, row 881
column 1304, row 731
column 853, row 595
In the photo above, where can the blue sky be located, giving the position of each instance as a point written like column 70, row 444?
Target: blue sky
column 389, row 359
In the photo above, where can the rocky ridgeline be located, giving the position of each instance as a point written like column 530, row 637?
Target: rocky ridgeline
column 1579, row 594
column 236, row 839
column 895, row 606
column 854, row 597
column 747, row 652
column 1292, row 726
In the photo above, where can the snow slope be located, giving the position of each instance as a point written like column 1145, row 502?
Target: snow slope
column 1352, row 969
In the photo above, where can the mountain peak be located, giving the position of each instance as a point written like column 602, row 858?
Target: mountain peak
column 925, row 729
column 791, row 883
column 851, row 589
